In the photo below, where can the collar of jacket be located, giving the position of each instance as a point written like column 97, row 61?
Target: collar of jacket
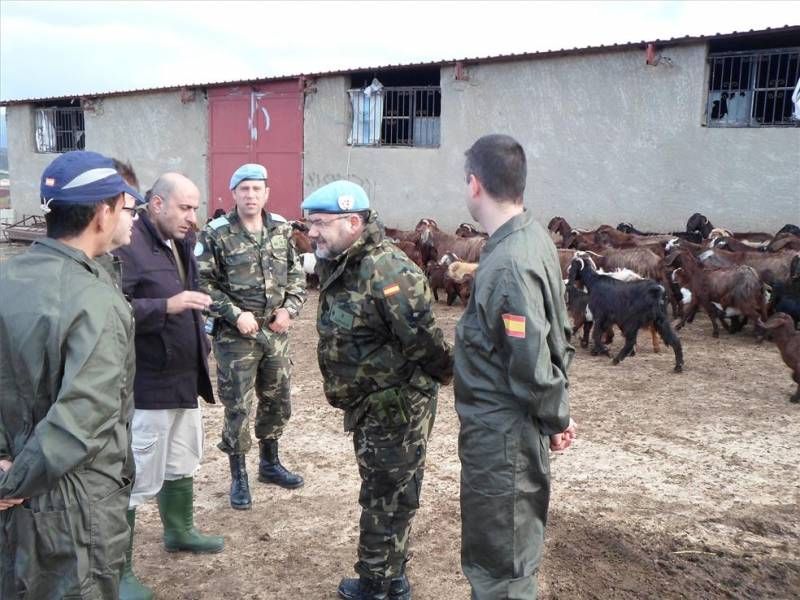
column 515, row 223
column 371, row 237
column 236, row 223
column 146, row 225
column 78, row 256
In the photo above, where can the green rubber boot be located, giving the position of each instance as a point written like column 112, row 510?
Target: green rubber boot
column 130, row 588
column 176, row 505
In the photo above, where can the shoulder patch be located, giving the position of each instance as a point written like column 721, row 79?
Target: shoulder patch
column 391, row 289
column 514, row 325
column 198, row 249
column 219, row 222
column 277, row 218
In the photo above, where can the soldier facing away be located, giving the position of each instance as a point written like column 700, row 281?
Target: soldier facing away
column 250, row 267
column 511, row 360
column 66, row 342
column 382, row 358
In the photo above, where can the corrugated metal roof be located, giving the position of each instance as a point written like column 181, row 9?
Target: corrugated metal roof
column 482, row 59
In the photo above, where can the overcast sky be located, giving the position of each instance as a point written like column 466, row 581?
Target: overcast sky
column 61, row 48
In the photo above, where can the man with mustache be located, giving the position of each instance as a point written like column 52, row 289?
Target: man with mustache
column 251, row 269
column 159, row 276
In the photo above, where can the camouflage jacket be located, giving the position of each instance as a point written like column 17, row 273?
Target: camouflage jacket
column 242, row 275
column 375, row 324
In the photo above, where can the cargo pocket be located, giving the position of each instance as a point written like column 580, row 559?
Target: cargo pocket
column 488, row 459
column 52, row 552
column 110, row 533
column 149, row 474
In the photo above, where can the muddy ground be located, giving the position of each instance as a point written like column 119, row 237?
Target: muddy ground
column 679, row 486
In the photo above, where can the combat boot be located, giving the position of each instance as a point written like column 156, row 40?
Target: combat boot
column 399, row 588
column 364, row 588
column 130, row 588
column 270, row 469
column 240, row 487
column 176, row 506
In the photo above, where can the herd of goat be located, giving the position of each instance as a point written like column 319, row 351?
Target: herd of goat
column 627, row 278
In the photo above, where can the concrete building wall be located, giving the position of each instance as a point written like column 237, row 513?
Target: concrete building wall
column 24, row 164
column 156, row 132
column 608, row 139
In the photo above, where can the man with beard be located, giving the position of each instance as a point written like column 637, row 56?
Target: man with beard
column 382, row 357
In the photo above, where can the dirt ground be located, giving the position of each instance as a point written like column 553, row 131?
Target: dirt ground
column 679, row 486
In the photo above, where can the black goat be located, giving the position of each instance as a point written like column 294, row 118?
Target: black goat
column 789, row 228
column 700, row 224
column 629, row 305
column 786, row 295
column 689, row 236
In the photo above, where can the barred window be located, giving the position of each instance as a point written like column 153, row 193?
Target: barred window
column 59, row 129
column 397, row 109
column 753, row 88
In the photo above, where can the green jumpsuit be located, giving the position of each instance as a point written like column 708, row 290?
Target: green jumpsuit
column 66, row 376
column 511, row 360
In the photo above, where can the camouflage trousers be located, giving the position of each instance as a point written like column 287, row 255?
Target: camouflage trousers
column 252, row 368
column 391, row 462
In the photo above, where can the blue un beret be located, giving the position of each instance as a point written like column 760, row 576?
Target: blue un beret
column 337, row 197
column 248, row 171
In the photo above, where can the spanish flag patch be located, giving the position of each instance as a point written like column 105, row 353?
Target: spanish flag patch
column 391, row 290
column 515, row 325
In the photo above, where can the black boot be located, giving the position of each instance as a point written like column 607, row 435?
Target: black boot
column 240, row 487
column 270, row 469
column 364, row 588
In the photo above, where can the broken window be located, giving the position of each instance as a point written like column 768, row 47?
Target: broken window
column 59, row 128
column 753, row 88
column 401, row 108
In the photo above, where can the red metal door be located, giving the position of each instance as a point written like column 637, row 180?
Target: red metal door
column 261, row 124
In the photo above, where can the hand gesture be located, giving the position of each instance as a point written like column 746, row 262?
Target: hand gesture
column 188, row 301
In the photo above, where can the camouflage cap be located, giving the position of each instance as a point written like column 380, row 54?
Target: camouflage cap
column 337, row 197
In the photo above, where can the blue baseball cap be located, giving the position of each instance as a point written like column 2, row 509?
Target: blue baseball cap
column 82, row 177
column 248, row 171
column 337, row 197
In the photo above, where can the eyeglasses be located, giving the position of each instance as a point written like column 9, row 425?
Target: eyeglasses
column 132, row 210
column 323, row 223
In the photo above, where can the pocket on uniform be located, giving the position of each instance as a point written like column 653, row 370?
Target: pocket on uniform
column 51, row 554
column 487, row 495
column 110, row 533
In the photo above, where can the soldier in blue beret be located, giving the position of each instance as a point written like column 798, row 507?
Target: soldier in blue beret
column 383, row 358
column 249, row 265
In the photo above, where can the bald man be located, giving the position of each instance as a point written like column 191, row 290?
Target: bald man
column 159, row 276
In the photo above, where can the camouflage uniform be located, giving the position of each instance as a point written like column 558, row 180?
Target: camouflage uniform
column 242, row 274
column 382, row 357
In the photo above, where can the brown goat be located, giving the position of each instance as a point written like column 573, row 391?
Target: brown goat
column 434, row 243
column 410, row 249
column 458, row 281
column 787, row 339
column 468, row 230
column 737, row 288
